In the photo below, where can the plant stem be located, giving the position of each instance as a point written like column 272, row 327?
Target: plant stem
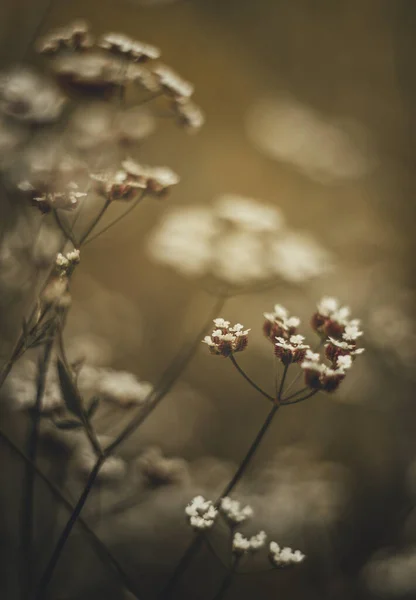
column 101, row 549
column 53, row 561
column 250, row 381
column 28, row 491
column 95, row 221
column 282, row 383
column 301, row 399
column 67, row 233
column 116, row 220
column 302, row 391
column 198, row 539
column 228, row 579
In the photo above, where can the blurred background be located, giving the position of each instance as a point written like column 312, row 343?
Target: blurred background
column 309, row 109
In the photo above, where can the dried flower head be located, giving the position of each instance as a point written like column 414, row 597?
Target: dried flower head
column 242, row 545
column 188, row 114
column 333, row 320
column 234, row 512
column 27, row 96
column 67, row 200
column 75, row 37
column 117, row 186
column 227, row 339
column 201, row 513
column 121, row 44
column 292, row 350
column 279, row 324
column 171, row 83
column 319, row 376
column 65, row 264
column 156, row 180
column 284, row 557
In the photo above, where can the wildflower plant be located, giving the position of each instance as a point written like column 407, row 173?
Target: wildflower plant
column 72, row 192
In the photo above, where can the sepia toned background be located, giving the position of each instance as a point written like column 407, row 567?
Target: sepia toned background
column 309, row 107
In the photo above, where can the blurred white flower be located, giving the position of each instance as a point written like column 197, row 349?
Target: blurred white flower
column 284, row 557
column 241, row 544
column 121, row 387
column 84, row 458
column 247, row 213
column 288, row 131
column 297, row 257
column 238, row 258
column 392, row 573
column 201, row 513
column 159, row 470
column 234, row 512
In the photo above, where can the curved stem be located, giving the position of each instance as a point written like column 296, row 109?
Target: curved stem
column 282, row 383
column 250, row 381
column 95, row 221
column 302, row 391
column 67, row 232
column 301, row 399
column 116, row 220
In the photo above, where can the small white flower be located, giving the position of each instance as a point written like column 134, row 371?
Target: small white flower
column 241, row 544
column 352, row 331
column 233, row 511
column 226, row 339
column 201, row 513
column 284, row 557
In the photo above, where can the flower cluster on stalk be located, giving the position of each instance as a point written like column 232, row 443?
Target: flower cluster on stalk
column 201, row 513
column 226, row 339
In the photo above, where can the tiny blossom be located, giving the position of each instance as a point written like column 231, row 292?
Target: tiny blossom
column 171, row 83
column 119, row 43
column 65, row 264
column 117, row 186
column 59, row 200
column 156, row 180
column 337, row 348
column 75, row 36
column 188, row 114
column 233, row 511
column 241, row 544
column 319, row 376
column 292, row 350
column 225, row 340
column 201, row 513
column 284, row 557
column 333, row 320
column 279, row 324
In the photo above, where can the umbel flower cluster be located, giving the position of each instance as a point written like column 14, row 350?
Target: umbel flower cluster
column 202, row 515
column 338, row 333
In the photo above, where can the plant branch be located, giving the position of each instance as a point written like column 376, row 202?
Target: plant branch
column 95, row 221
column 228, row 579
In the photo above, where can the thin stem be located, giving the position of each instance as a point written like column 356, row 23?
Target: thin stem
column 119, row 218
column 67, row 232
column 228, row 579
column 250, row 381
column 302, row 391
column 101, row 549
column 301, row 399
column 28, row 491
column 282, row 383
column 95, row 221
column 198, row 539
column 250, row 453
column 53, row 561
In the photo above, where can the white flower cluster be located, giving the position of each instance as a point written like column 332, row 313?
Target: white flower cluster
column 65, row 263
column 292, row 350
column 331, row 319
column 68, row 200
column 226, row 338
column 234, row 512
column 201, row 513
column 284, row 557
column 320, row 376
column 241, row 544
column 238, row 241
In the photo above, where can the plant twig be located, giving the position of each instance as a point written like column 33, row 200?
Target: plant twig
column 228, row 579
column 95, row 221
